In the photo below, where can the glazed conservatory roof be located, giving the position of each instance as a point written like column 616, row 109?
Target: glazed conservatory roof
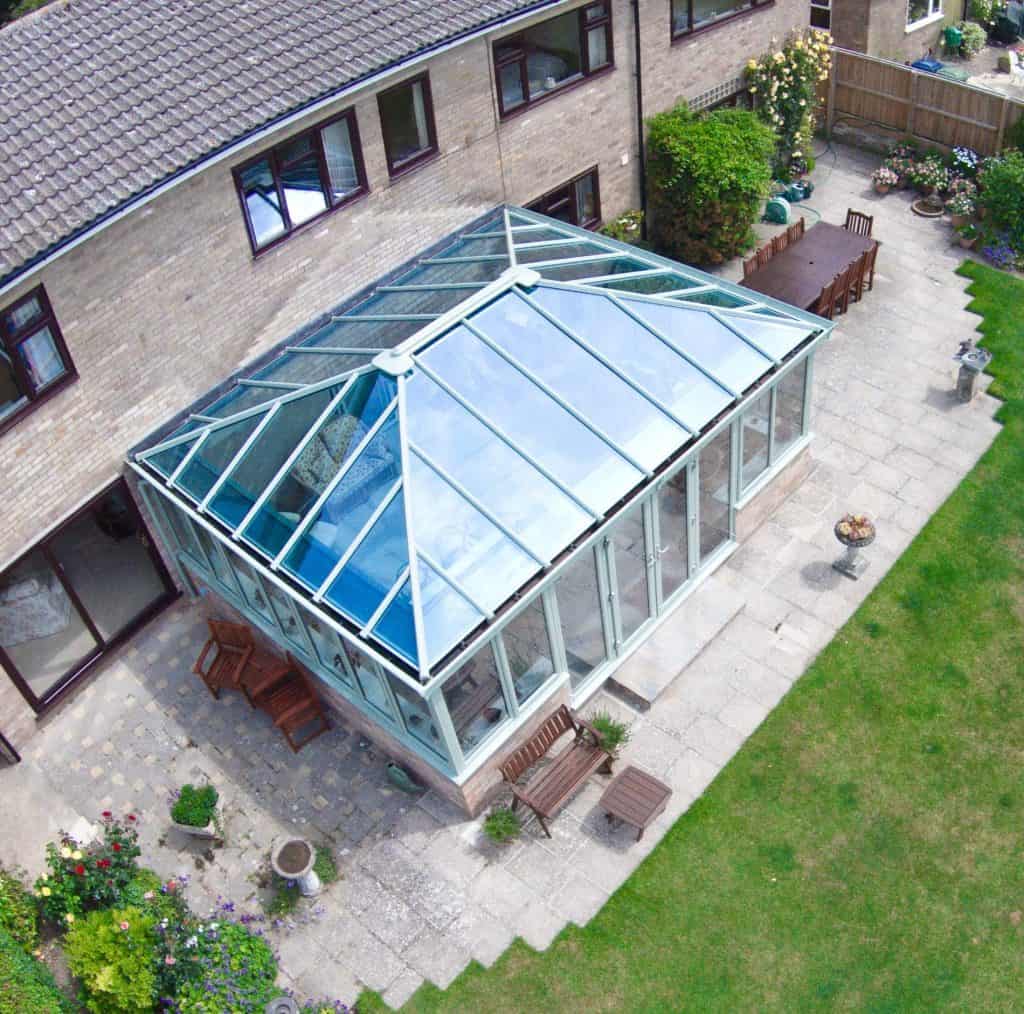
column 419, row 458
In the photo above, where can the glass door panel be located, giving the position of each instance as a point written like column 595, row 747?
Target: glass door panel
column 673, row 535
column 629, row 560
column 41, row 630
column 715, row 465
column 582, row 618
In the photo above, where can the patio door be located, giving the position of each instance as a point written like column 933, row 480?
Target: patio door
column 77, row 593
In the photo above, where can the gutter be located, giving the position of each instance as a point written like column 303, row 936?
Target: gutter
column 186, row 172
column 642, row 155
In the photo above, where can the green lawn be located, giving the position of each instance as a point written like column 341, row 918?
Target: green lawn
column 865, row 849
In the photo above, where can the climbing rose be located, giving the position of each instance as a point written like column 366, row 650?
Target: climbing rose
column 116, row 847
column 80, row 869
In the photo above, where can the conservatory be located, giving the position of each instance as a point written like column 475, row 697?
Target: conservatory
column 471, row 492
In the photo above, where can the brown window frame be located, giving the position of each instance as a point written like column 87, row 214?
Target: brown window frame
column 11, row 338
column 752, row 7
column 276, row 164
column 570, row 184
column 399, row 167
column 518, row 56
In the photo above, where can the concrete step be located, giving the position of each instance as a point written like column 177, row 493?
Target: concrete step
column 676, row 643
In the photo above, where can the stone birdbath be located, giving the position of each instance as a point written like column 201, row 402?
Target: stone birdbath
column 293, row 859
column 854, row 531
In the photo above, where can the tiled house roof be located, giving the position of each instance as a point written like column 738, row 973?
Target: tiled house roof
column 101, row 100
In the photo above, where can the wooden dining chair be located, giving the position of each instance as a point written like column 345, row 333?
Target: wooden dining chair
column 764, row 255
column 780, row 242
column 869, row 267
column 842, row 295
column 859, row 223
column 826, row 304
column 232, row 646
column 857, row 278
column 750, row 266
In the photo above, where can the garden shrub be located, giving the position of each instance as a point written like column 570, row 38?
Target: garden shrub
column 80, row 879
column 195, row 807
column 1002, row 197
column 112, row 953
column 238, row 973
column 627, row 228
column 707, row 177
column 985, row 10
column 26, row 985
column 974, row 38
column 18, row 911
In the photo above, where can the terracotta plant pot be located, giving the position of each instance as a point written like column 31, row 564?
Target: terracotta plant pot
column 926, row 191
column 904, row 182
column 968, row 242
column 958, row 220
column 882, row 188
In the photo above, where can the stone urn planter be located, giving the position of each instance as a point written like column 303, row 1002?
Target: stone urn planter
column 854, row 531
column 194, row 811
column 293, row 859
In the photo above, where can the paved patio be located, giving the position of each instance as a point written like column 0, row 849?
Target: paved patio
column 421, row 891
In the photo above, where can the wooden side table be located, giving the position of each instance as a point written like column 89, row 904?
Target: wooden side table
column 636, row 798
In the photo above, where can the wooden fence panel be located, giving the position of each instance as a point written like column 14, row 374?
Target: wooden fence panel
column 929, row 107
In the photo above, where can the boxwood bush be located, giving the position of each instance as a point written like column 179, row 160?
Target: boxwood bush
column 26, row 985
column 707, row 177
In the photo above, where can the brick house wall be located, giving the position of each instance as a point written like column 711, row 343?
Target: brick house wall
column 168, row 301
column 879, row 28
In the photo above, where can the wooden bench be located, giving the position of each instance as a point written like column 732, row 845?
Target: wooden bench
column 556, row 783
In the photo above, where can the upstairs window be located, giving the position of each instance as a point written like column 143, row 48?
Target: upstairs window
column 922, row 10
column 34, row 360
column 407, row 124
column 545, row 57
column 821, row 14
column 692, row 15
column 301, row 179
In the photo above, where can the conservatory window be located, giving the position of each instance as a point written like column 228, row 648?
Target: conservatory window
column 789, row 408
column 475, row 702
column 528, row 649
column 34, row 361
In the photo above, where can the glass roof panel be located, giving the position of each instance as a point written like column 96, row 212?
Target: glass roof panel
column 600, row 396
column 217, row 452
column 348, row 507
column 775, row 337
column 240, row 398
column 530, row 419
column 307, row 368
column 447, row 616
column 592, row 269
column 478, row 272
column 353, row 333
column 648, row 284
column 527, row 255
column 709, row 342
column 307, row 477
column 648, row 362
column 457, row 537
column 266, row 456
column 713, row 297
column 473, row 246
column 396, row 628
column 166, row 461
column 369, row 575
column 494, row 222
column 519, row 496
column 416, row 301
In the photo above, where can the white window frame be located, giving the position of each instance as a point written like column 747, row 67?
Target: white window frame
column 935, row 13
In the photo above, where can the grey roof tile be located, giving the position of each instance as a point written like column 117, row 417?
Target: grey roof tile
column 102, row 99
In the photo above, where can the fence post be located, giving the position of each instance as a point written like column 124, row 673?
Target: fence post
column 911, row 105
column 830, row 114
column 1004, row 109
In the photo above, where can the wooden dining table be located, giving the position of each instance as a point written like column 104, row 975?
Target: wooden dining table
column 797, row 274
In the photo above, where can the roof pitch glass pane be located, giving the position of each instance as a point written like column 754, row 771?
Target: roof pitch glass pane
column 167, row 460
column 396, row 628
column 457, row 537
column 348, row 507
column 472, row 246
column 708, row 341
column 579, row 270
column 364, row 582
column 526, row 254
column 650, row 363
column 458, row 272
column 546, row 431
column 413, row 301
column 317, row 462
column 524, row 500
column 217, row 452
column 599, row 395
column 713, row 297
column 353, row 333
column 263, row 460
column 240, row 398
column 447, row 616
column 775, row 337
column 309, row 368
column 647, row 284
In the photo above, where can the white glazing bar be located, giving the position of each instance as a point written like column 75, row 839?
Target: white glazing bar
column 605, row 361
column 675, row 348
column 455, row 586
column 328, row 350
column 172, row 479
column 679, row 295
column 624, row 275
column 584, row 259
column 543, row 244
column 439, row 710
column 307, row 521
column 510, row 245
column 556, row 397
column 465, row 260
column 269, row 488
column 273, row 385
column 203, row 418
column 416, row 594
column 437, row 286
column 743, row 338
column 505, row 438
column 505, row 675
column 482, row 508
column 234, row 462
column 350, row 549
column 385, row 602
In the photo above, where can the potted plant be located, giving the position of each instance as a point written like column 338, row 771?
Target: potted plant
column 960, row 207
column 502, row 825
column 194, row 811
column 967, row 235
column 614, row 734
column 929, row 175
column 884, row 179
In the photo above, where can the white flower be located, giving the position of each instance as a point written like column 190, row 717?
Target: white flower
column 192, row 941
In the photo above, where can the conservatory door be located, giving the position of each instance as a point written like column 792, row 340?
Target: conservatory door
column 582, row 593
column 674, row 520
column 714, row 464
column 630, row 560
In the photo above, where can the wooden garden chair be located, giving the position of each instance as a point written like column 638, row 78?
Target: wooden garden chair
column 232, row 646
column 780, row 242
column 858, row 223
column 293, row 703
column 842, row 296
column 857, row 280
column 750, row 266
column 826, row 304
column 869, row 267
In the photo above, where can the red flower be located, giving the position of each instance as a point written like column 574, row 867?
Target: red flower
column 171, row 885
column 103, row 863
column 116, row 847
column 106, row 815
column 131, row 817
column 80, row 869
